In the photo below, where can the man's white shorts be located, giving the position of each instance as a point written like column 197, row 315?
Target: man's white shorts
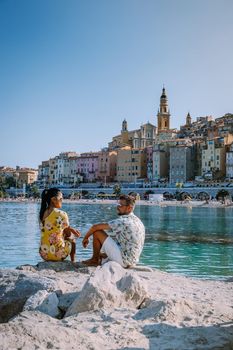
column 112, row 250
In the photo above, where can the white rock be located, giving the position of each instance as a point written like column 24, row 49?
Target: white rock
column 181, row 313
column 44, row 302
column 142, row 268
column 110, row 286
column 17, row 286
column 65, row 300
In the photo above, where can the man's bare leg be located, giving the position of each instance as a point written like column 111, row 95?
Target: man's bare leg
column 98, row 240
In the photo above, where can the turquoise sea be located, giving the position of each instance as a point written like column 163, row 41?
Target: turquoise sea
column 195, row 242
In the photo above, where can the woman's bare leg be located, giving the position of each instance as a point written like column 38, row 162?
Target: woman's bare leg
column 73, row 250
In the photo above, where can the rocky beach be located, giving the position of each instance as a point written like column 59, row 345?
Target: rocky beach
column 66, row 306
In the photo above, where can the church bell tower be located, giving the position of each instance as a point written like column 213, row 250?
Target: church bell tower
column 124, row 133
column 163, row 116
column 124, row 126
column 188, row 120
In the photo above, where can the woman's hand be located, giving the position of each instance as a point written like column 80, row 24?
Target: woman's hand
column 75, row 232
column 69, row 230
column 85, row 242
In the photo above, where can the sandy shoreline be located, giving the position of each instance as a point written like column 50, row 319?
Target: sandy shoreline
column 164, row 203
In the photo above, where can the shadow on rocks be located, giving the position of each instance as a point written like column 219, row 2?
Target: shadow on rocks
column 57, row 266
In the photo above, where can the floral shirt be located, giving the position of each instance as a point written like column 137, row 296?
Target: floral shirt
column 52, row 245
column 129, row 232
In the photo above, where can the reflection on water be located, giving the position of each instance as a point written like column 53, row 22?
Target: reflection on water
column 196, row 242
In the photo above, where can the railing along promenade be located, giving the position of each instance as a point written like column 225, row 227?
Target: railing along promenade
column 193, row 191
column 94, row 191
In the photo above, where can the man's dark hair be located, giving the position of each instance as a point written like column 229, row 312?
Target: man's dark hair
column 129, row 200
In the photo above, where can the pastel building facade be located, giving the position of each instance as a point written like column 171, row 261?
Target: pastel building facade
column 131, row 164
column 6, row 172
column 87, row 166
column 52, row 171
column 107, row 166
column 26, row 176
column 214, row 158
column 75, row 178
column 181, row 164
column 229, row 162
column 160, row 161
column 149, row 163
column 43, row 173
column 22, row 176
column 65, row 171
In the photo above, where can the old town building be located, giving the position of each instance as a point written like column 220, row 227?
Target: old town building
column 214, row 159
column 87, row 166
column 151, row 153
column 22, row 176
column 140, row 138
column 229, row 162
column 181, row 164
column 107, row 166
column 161, row 161
column 131, row 164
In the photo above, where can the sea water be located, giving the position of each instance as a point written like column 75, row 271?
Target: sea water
column 194, row 241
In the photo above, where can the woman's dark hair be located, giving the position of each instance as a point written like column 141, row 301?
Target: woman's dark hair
column 46, row 196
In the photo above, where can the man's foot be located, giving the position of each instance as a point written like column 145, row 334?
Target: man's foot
column 91, row 262
column 103, row 255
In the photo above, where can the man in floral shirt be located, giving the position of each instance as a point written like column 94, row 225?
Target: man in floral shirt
column 121, row 240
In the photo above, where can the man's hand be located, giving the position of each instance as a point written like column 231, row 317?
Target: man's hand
column 85, row 242
column 92, row 230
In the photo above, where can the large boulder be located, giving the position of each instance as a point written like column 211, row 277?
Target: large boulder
column 17, row 286
column 43, row 301
column 110, row 286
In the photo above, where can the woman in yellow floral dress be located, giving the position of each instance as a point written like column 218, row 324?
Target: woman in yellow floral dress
column 57, row 237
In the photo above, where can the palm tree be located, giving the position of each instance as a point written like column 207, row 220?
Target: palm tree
column 117, row 189
column 203, row 196
column 222, row 195
column 35, row 192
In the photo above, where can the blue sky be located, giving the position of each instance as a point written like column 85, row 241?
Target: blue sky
column 71, row 71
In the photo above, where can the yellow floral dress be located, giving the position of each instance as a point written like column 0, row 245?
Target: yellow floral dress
column 53, row 246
